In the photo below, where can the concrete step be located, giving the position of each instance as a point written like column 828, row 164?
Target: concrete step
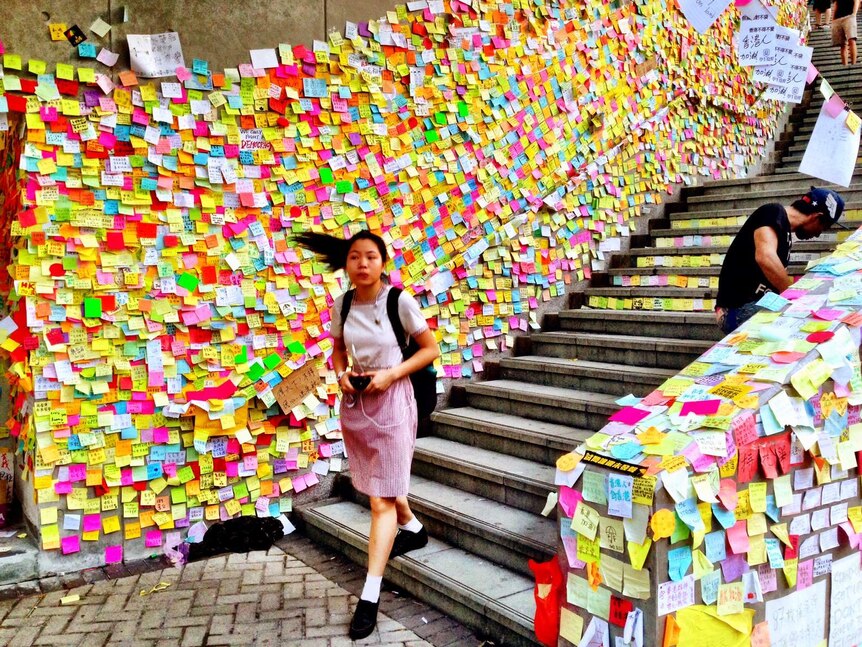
column 495, row 531
column 792, row 184
column 721, row 217
column 751, row 200
column 584, row 409
column 649, row 292
column 637, row 350
column 511, row 480
column 676, row 302
column 533, row 440
column 495, row 601
column 677, row 280
column 799, row 246
column 682, row 325
column 795, row 159
column 584, row 375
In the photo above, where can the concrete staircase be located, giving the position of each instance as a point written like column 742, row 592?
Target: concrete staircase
column 482, row 477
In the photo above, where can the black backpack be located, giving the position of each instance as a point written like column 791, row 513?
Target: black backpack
column 425, row 379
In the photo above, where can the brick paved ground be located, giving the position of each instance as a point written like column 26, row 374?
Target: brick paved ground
column 303, row 598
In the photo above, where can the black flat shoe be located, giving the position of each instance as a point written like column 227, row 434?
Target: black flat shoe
column 406, row 541
column 364, row 620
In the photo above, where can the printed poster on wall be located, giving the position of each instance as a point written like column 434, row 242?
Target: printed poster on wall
column 799, row 618
column 845, row 608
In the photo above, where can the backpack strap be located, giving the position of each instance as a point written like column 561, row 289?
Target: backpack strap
column 394, row 318
column 345, row 308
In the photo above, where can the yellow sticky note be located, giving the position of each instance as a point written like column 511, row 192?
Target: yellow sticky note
column 571, row 626
column 86, row 75
column 57, row 30
column 638, row 553
column 702, row 625
column 586, row 521
column 853, row 122
column 730, row 598
column 110, row 524
column 12, row 61
column 35, row 66
column 65, row 71
column 854, row 514
column 757, row 496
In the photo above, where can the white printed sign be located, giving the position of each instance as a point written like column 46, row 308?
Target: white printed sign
column 702, row 13
column 845, row 608
column 832, row 150
column 799, row 618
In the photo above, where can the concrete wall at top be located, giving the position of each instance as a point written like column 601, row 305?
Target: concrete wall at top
column 218, row 31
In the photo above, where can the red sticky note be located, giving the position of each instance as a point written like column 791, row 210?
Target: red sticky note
column 27, row 218
column 747, row 468
column 620, row 610
column 744, row 429
column 147, row 230
column 115, row 240
column 820, row 337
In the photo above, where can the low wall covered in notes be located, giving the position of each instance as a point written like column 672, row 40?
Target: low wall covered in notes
column 170, row 346
column 723, row 508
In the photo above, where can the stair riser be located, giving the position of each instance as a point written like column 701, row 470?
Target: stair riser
column 451, row 530
column 613, row 384
column 737, row 201
column 543, row 454
column 509, row 492
column 558, row 415
column 646, row 328
column 504, row 633
column 637, row 357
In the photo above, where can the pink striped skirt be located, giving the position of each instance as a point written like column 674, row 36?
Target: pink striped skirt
column 380, row 434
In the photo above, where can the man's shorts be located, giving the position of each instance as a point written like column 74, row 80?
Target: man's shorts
column 843, row 29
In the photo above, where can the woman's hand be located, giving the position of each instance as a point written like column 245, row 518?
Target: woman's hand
column 380, row 380
column 345, row 385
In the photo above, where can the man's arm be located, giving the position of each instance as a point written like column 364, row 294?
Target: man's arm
column 766, row 255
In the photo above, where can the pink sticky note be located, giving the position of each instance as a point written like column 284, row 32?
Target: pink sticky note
column 113, row 554
column 737, row 535
column 829, row 314
column 92, row 522
column 805, row 574
column 154, row 538
column 70, row 544
column 569, row 500
column 183, row 74
column 834, row 106
column 812, row 73
column 629, row 415
column 727, row 494
column 700, row 407
column 2, row 48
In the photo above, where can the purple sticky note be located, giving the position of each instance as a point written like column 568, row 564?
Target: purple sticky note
column 733, row 567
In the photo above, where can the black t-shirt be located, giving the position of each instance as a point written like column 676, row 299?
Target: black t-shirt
column 844, row 8
column 741, row 280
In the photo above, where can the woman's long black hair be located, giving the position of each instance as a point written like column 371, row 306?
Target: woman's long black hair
column 333, row 250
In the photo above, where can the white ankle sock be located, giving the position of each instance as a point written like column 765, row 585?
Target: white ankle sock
column 371, row 590
column 412, row 526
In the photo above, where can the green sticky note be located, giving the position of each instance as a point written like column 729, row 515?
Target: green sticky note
column 432, row 136
column 178, row 495
column 92, row 308
column 326, row 176
column 255, row 372
column 241, row 357
column 295, row 347
column 440, row 118
column 271, row 361
column 240, row 490
column 188, row 281
column 344, row 186
column 463, row 111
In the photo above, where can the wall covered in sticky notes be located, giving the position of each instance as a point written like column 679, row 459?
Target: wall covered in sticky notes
column 160, row 303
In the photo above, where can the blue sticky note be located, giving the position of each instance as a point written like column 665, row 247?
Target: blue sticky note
column 771, row 509
column 87, row 50
column 690, row 515
column 678, row 563
column 772, row 301
column 725, row 517
column 200, row 67
column 716, row 549
column 709, row 587
column 769, row 421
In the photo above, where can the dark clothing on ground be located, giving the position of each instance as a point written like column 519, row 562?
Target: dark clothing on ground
column 741, row 280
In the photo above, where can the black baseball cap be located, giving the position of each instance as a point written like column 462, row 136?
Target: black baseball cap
column 826, row 202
